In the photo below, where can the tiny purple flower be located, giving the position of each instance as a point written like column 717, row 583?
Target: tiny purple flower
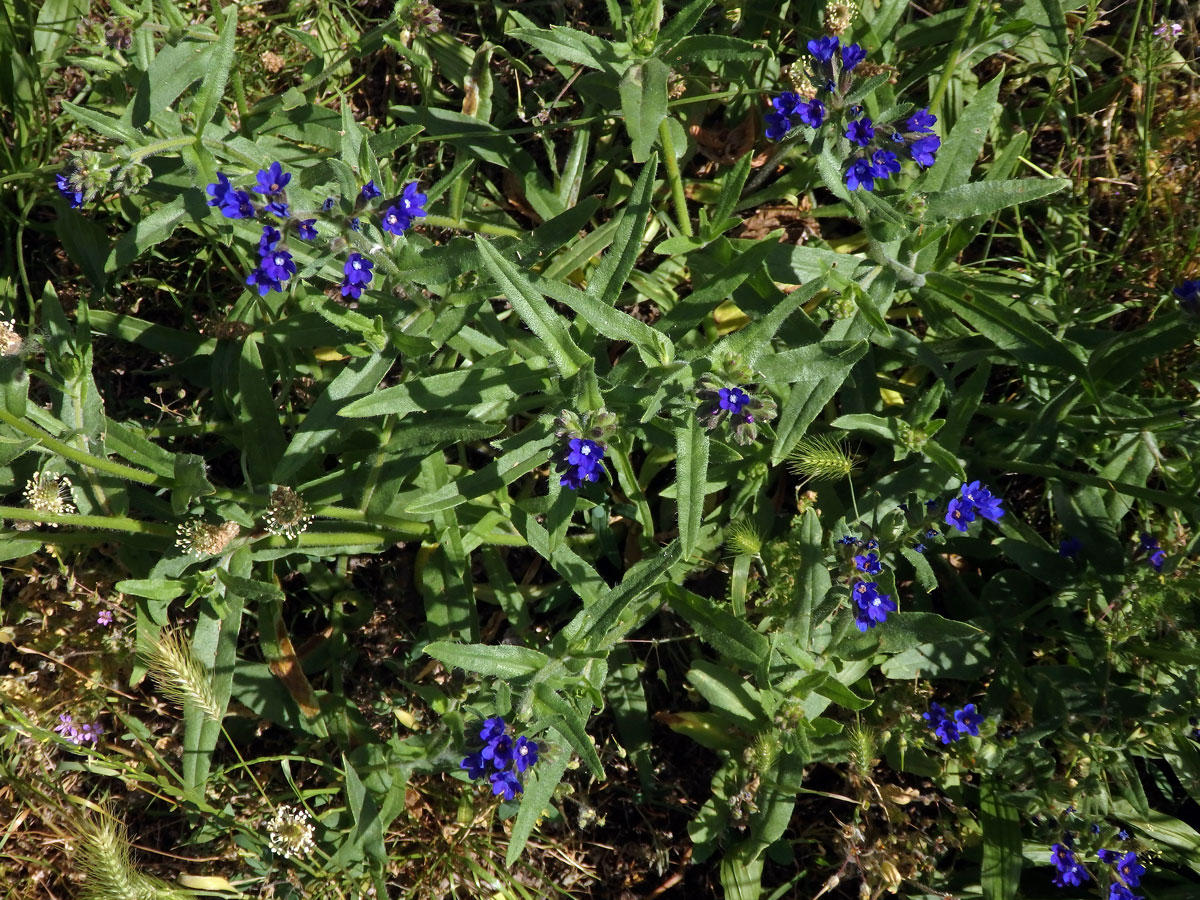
column 105, row 617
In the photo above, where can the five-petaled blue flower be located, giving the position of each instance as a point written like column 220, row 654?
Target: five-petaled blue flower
column 306, row 229
column 923, row 150
column 861, row 131
column 1107, row 856
column 941, row 722
column 823, row 48
column 921, row 120
column 73, row 197
column 266, row 243
column 732, row 399
column 492, row 729
column 778, row 125
column 500, row 752
column 873, row 607
column 885, row 164
column 582, row 463
column 975, row 500
column 234, row 204
column 787, row 103
column 272, row 180
column 967, row 721
column 358, row 274
column 1118, row 891
column 868, row 563
column 525, row 753
column 398, row 217
column 475, row 765
column 811, row 113
column 1130, row 870
column 505, row 784
column 860, row 174
column 852, row 55
column 370, row 192
column 1069, row 869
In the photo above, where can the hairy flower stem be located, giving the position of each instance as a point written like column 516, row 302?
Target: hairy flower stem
column 904, row 274
column 82, row 457
column 674, row 178
column 103, row 523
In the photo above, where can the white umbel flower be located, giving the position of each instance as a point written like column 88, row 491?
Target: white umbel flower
column 291, row 832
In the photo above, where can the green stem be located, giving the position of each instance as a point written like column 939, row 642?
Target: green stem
column 464, row 225
column 955, row 48
column 83, row 458
column 674, row 178
column 633, row 490
column 159, row 147
column 103, row 523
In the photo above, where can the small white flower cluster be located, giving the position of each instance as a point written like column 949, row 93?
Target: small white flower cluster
column 291, row 832
column 50, row 494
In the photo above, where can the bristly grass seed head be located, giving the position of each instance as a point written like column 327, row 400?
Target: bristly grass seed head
column 864, row 747
column 743, row 538
column 821, row 458
column 179, row 674
column 103, row 857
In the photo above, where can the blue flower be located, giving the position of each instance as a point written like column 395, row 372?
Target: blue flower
column 873, row 607
column 75, row 198
column 861, row 131
column 847, row 539
column 306, row 229
column 1118, row 891
column 278, row 265
column 778, row 125
column 1130, row 870
column 506, row 784
column 920, row 548
column 787, row 104
column 982, row 500
column 1123, row 834
column 812, row 113
column 823, row 48
column 1148, row 541
column 921, row 120
column 1107, row 856
column 897, row 137
column 500, row 752
column 328, row 204
column 967, row 721
column 582, row 463
column 475, row 765
column 733, row 399
column 358, row 274
column 492, row 728
column 266, row 243
column 868, row 563
column 860, row 174
column 932, row 534
column 1188, row 292
column 960, row 514
column 233, row 204
column 525, row 753
column 272, row 180
column 852, row 55
column 370, row 192
column 1069, row 546
column 885, row 164
column 923, row 150
column 1069, row 869
column 355, row 225
column 408, row 206
column 941, row 722
column 278, row 208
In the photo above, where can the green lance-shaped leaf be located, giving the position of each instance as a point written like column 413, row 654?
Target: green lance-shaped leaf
column 212, row 89
column 691, row 470
column 497, row 661
column 539, row 790
column 567, row 721
column 608, row 278
column 643, row 90
column 533, row 309
column 735, row 640
column 1001, row 873
column 983, row 198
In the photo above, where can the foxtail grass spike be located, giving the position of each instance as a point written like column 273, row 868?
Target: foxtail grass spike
column 821, row 458
column 180, row 676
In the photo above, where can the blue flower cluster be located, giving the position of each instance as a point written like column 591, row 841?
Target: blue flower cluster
column 876, row 159
column 873, row 607
column 582, row 463
column 1128, row 870
column 276, row 265
column 499, row 757
column 1070, row 872
column 976, row 500
column 951, row 726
